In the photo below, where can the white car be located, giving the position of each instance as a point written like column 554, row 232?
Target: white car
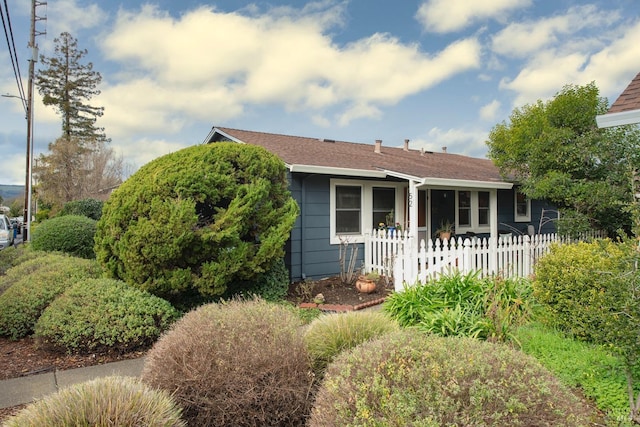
column 6, row 232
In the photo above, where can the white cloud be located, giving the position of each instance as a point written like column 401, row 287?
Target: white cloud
column 208, row 65
column 490, row 111
column 470, row 142
column 521, row 39
column 443, row 16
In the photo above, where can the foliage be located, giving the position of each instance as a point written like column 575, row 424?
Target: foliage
column 44, row 279
column 72, row 234
column 12, row 257
column 239, row 363
column 67, row 84
column 197, row 220
column 271, row 285
column 103, row 402
column 91, row 208
column 457, row 304
column 591, row 291
column 557, row 152
column 598, row 373
column 103, row 314
column 331, row 334
column 412, row 378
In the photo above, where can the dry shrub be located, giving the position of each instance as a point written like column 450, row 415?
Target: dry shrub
column 104, row 402
column 239, row 363
column 410, row 378
column 331, row 334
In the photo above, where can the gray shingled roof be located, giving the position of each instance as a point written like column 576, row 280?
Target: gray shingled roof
column 322, row 153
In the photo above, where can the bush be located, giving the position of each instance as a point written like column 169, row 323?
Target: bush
column 575, row 284
column 44, row 279
column 239, row 363
column 108, row 401
column 13, row 256
column 103, row 314
column 197, row 220
column 411, row 378
column 463, row 305
column 272, row 285
column 91, row 208
column 72, row 234
column 331, row 334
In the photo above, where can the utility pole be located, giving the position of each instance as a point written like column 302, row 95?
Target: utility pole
column 26, row 214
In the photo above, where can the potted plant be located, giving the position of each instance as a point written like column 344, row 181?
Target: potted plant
column 366, row 283
column 445, row 230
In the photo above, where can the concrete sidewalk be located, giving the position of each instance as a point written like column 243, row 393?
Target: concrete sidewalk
column 16, row 391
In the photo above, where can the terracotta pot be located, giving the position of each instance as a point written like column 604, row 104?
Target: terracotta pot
column 445, row 235
column 365, row 285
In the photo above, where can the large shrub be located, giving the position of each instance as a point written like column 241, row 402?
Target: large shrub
column 72, row 234
column 197, row 220
column 45, row 278
column 271, row 285
column 103, row 314
column 411, row 378
column 331, row 334
column 103, row 402
column 578, row 284
column 91, row 208
column 239, row 363
column 463, row 305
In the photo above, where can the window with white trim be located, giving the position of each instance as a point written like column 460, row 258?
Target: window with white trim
column 384, row 203
column 522, row 208
column 473, row 210
column 348, row 207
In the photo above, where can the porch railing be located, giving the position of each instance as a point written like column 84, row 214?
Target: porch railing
column 398, row 256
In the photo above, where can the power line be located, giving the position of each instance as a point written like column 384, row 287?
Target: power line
column 8, row 32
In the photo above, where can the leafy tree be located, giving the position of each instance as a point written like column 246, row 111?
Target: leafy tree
column 556, row 151
column 190, row 223
column 80, row 163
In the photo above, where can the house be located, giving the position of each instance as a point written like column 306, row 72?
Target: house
column 346, row 189
column 626, row 109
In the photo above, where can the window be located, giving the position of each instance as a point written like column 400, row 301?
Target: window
column 464, row 208
column 483, row 208
column 522, row 207
column 384, row 202
column 348, row 207
column 474, row 210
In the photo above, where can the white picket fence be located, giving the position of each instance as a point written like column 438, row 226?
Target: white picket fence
column 396, row 255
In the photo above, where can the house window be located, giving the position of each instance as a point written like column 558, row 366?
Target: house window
column 348, row 208
column 464, row 208
column 384, row 202
column 483, row 208
column 522, row 207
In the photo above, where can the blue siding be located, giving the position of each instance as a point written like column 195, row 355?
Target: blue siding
column 506, row 214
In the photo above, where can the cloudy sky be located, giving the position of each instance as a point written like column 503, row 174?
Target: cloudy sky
column 438, row 72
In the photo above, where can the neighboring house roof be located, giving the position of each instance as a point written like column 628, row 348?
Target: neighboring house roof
column 626, row 109
column 314, row 155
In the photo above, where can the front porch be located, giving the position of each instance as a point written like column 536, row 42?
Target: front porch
column 408, row 261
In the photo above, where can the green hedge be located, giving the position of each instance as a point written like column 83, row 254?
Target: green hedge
column 72, row 234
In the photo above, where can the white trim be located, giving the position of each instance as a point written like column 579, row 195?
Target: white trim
column 327, row 170
column 467, row 184
column 516, row 217
column 366, row 208
column 618, row 119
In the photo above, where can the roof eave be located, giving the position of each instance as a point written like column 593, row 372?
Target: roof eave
column 327, row 170
column 618, row 119
column 466, row 183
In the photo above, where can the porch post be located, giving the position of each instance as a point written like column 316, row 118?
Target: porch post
column 493, row 209
column 412, row 245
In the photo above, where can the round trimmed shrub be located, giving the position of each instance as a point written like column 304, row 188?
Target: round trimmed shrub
column 411, row 378
column 13, row 256
column 238, row 363
column 103, row 315
column 36, row 283
column 103, row 402
column 197, row 220
column 72, row 234
column 91, row 208
column 331, row 334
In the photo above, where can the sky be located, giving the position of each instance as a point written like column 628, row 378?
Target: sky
column 441, row 73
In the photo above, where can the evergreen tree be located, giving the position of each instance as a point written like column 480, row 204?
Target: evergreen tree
column 67, row 84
